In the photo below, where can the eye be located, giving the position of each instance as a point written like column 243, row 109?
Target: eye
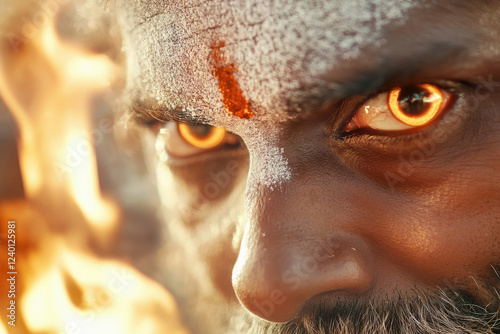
column 402, row 108
column 202, row 136
column 180, row 140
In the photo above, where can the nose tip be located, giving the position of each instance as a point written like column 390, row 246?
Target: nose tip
column 275, row 282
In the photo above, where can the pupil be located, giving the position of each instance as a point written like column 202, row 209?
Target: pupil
column 413, row 100
column 200, row 131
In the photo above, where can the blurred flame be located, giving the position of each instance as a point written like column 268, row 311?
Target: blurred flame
column 57, row 114
column 49, row 86
column 104, row 297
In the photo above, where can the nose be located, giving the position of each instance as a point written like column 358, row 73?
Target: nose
column 299, row 243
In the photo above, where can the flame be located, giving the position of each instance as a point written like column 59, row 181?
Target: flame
column 48, row 86
column 53, row 119
column 104, row 297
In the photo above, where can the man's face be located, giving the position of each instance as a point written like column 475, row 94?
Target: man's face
column 357, row 188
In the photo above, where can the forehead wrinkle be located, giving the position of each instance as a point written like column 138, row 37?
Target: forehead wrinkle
column 146, row 20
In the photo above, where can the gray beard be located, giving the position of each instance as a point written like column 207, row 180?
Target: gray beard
column 450, row 312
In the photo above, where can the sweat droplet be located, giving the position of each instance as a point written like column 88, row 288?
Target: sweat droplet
column 232, row 96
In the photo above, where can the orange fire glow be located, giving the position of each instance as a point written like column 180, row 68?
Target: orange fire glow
column 65, row 287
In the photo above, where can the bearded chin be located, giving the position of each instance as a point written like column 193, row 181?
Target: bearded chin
column 449, row 312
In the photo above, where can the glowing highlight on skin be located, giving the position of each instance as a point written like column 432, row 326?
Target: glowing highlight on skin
column 49, row 86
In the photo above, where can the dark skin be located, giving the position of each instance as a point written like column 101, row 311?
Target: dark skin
column 365, row 215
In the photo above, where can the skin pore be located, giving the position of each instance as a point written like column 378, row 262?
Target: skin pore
column 310, row 213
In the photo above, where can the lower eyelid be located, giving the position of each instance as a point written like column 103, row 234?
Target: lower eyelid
column 201, row 160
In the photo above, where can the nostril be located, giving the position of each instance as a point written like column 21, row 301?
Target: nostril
column 276, row 286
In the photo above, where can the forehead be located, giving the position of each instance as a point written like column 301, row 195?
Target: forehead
column 280, row 49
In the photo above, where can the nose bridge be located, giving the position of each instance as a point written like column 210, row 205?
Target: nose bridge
column 295, row 247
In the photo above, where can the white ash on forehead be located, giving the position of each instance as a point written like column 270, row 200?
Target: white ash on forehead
column 277, row 46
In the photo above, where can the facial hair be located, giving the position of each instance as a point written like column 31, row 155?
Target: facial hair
column 448, row 312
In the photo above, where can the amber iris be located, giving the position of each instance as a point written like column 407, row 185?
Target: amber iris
column 416, row 105
column 202, row 136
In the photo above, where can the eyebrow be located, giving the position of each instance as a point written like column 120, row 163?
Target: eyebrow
column 396, row 70
column 144, row 114
column 390, row 71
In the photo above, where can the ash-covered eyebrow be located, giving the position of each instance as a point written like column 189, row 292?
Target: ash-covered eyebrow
column 428, row 63
column 400, row 69
column 434, row 59
column 143, row 114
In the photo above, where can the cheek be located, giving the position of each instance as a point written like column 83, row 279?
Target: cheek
column 204, row 203
column 194, row 190
column 219, row 259
column 451, row 232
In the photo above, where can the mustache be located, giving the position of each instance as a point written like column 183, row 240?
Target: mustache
column 452, row 312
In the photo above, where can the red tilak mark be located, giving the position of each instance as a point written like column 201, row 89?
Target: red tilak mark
column 232, row 96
